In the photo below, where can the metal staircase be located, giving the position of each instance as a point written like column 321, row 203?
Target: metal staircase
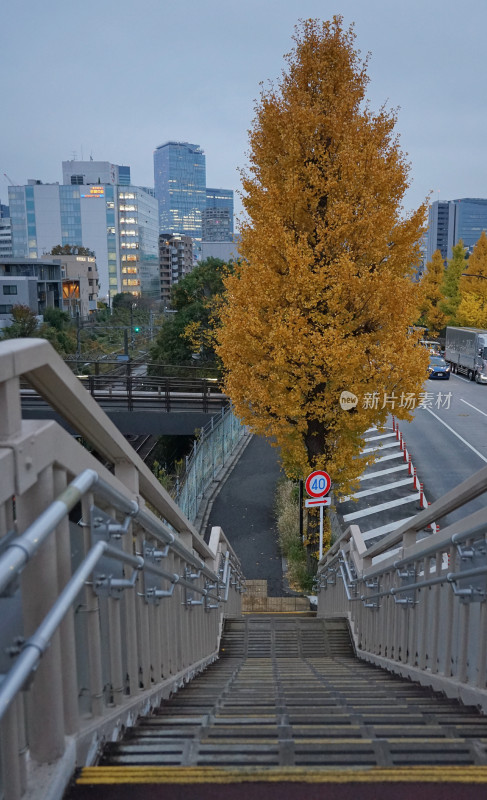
column 287, row 694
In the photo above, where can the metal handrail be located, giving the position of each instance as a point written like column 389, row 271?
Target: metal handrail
column 431, row 548
column 34, row 648
column 21, row 549
column 36, row 645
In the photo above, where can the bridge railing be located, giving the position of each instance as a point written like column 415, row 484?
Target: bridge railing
column 166, row 393
column 109, row 598
column 215, row 444
column 416, row 600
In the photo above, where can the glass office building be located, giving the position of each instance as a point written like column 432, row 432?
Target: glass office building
column 180, row 187
column 119, row 223
column 218, row 216
column 451, row 221
column 470, row 220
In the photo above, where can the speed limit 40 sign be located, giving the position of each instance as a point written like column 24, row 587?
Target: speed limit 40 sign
column 318, row 483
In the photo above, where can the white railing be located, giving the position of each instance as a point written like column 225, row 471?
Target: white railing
column 109, row 598
column 417, row 601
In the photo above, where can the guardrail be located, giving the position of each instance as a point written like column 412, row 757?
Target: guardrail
column 109, row 598
column 215, row 444
column 417, row 601
column 130, row 392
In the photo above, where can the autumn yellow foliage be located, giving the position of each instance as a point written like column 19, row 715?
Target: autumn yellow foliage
column 431, row 294
column 472, row 309
column 322, row 299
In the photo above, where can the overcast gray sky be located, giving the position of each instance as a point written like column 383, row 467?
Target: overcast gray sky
column 113, row 79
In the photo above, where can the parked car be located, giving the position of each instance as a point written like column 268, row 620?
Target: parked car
column 438, row 368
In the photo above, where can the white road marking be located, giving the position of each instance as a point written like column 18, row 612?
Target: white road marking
column 381, row 436
column 391, row 526
column 388, row 457
column 474, row 407
column 371, row 475
column 377, row 489
column 381, row 447
column 366, row 512
column 457, row 435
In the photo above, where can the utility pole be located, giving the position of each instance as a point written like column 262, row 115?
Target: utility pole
column 78, row 339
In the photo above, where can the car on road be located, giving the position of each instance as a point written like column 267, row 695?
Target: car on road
column 438, row 368
column 433, row 348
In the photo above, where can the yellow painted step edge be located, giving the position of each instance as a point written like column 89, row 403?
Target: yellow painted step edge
column 426, row 774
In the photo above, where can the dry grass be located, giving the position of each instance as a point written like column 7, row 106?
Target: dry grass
column 293, row 549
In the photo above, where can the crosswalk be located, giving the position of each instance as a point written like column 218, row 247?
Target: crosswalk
column 389, row 494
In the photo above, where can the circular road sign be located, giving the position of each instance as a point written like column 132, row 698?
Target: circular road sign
column 318, row 483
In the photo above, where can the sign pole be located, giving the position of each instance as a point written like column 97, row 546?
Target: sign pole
column 321, row 533
column 300, row 511
column 318, row 484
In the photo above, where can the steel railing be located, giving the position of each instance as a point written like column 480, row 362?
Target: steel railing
column 215, row 444
column 22, row 549
column 417, row 601
column 109, row 598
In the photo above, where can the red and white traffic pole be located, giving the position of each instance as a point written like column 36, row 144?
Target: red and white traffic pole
column 421, row 496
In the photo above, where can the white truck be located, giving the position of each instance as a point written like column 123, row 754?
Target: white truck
column 466, row 352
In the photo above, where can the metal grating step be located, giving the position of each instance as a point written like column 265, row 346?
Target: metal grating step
column 290, row 692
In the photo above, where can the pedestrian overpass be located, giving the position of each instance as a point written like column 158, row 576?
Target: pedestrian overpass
column 125, row 653
column 142, row 404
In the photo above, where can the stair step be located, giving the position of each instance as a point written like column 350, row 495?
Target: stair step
column 290, row 691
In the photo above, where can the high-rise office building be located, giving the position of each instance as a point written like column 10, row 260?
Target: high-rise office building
column 84, row 173
column 218, row 216
column 118, row 222
column 453, row 220
column 5, row 237
column 175, row 261
column 180, row 187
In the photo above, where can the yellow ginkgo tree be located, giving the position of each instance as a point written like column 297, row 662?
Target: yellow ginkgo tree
column 431, row 295
column 321, row 300
column 472, row 309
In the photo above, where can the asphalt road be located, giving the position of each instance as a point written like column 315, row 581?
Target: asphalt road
column 244, row 509
column 448, row 441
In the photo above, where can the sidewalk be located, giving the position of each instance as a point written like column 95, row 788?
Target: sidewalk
column 244, row 509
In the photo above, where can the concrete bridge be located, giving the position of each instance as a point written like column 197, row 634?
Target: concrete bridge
column 134, row 657
column 141, row 404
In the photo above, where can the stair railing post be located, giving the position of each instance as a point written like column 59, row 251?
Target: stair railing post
column 92, row 608
column 115, row 639
column 66, row 628
column 9, row 753
column 39, row 591
column 143, row 638
column 127, row 474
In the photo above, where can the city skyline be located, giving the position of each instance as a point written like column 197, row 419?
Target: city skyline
column 66, row 92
